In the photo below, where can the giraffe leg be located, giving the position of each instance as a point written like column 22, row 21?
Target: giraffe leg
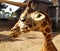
column 15, row 31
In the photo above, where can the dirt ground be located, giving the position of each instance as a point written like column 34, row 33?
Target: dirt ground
column 31, row 41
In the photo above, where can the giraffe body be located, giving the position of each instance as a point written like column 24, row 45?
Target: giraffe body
column 31, row 20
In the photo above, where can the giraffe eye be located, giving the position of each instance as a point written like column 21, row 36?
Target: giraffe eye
column 38, row 16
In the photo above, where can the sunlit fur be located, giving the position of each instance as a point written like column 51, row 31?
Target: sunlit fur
column 31, row 20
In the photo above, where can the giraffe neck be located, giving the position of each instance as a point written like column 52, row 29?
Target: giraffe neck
column 48, row 38
column 48, row 34
column 49, row 46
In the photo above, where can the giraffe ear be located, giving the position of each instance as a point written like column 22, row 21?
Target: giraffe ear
column 30, row 4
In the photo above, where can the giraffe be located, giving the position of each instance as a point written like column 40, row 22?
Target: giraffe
column 31, row 20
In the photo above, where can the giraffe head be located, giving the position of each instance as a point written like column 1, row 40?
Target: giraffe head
column 30, row 18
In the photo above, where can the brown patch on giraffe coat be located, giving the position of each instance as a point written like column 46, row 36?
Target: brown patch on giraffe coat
column 48, row 29
column 43, row 24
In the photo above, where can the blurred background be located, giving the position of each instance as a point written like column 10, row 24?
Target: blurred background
column 9, row 12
